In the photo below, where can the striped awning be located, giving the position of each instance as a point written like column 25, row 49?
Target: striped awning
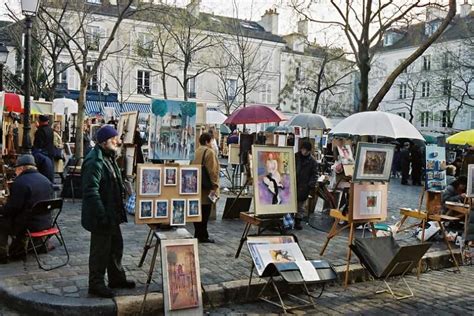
column 97, row 107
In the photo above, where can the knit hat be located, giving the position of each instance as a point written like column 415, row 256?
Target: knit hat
column 105, row 132
column 43, row 118
column 25, row 160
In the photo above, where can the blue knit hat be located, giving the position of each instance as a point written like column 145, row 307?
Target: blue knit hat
column 105, row 132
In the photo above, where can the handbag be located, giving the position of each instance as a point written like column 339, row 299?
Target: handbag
column 205, row 178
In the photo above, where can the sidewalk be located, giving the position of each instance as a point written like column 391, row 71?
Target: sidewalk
column 28, row 288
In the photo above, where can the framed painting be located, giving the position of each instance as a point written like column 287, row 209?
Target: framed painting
column 345, row 154
column 178, row 212
column 129, row 160
column 161, row 208
column 369, row 201
column 189, row 181
column 435, row 179
column 194, row 207
column 470, row 182
column 181, row 277
column 274, row 181
column 373, row 162
column 171, row 174
column 149, row 180
column 145, row 209
column 126, row 127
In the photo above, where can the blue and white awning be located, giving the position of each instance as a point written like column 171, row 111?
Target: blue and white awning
column 97, row 107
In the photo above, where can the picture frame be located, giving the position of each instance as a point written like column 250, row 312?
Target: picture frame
column 171, row 175
column 193, row 207
column 345, row 154
column 126, row 127
column 130, row 158
column 161, row 209
column 370, row 200
column 178, row 212
column 181, row 275
column 189, row 181
column 373, row 162
column 145, row 209
column 470, row 182
column 149, row 181
column 435, row 168
column 274, row 181
column 234, row 154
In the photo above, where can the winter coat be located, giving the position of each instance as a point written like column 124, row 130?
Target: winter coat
column 28, row 188
column 44, row 140
column 212, row 165
column 44, row 164
column 306, row 175
column 102, row 192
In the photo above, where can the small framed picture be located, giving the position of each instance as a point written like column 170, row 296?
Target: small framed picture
column 189, row 181
column 161, row 208
column 470, row 176
column 149, row 180
column 373, row 162
column 178, row 212
column 194, row 207
column 145, row 209
column 370, row 201
column 171, row 174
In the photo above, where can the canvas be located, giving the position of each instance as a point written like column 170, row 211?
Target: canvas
column 181, row 276
column 150, row 181
column 373, row 162
column 274, row 180
column 345, row 154
column 126, row 127
column 129, row 160
column 194, row 207
column 277, row 253
column 178, row 212
column 369, row 201
column 189, row 181
column 172, row 130
column 145, row 209
column 435, row 179
column 470, row 182
column 171, row 173
column 161, row 209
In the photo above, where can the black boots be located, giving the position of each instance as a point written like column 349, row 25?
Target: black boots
column 101, row 291
column 122, row 285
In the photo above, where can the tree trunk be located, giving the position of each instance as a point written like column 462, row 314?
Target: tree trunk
column 364, row 88
column 81, row 105
column 316, row 102
column 163, row 84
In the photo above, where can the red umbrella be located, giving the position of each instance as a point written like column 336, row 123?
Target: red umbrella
column 12, row 103
column 253, row 114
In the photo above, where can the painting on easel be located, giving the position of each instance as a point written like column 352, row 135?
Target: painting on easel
column 373, row 162
column 370, row 201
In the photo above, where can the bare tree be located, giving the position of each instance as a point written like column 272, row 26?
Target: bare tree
column 119, row 73
column 364, row 25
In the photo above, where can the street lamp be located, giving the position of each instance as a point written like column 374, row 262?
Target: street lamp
column 29, row 9
column 3, row 61
column 105, row 93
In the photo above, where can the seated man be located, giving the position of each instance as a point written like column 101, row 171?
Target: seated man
column 456, row 191
column 28, row 188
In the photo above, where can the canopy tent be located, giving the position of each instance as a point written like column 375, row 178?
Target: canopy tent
column 224, row 129
column 462, row 138
column 97, row 107
column 310, row 121
column 214, row 116
column 253, row 114
column 64, row 106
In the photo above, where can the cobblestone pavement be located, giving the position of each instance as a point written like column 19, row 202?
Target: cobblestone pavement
column 217, row 260
column 437, row 293
column 6, row 311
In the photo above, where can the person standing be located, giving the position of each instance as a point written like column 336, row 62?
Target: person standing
column 58, row 150
column 306, row 178
column 416, row 164
column 234, row 138
column 44, row 139
column 102, row 213
column 206, row 157
column 405, row 162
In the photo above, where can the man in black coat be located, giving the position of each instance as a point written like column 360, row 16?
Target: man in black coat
column 405, row 162
column 44, row 137
column 417, row 162
column 28, row 188
column 306, row 178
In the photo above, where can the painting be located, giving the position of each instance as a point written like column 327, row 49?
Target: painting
column 161, row 209
column 194, row 207
column 171, row 174
column 172, row 130
column 181, row 276
column 435, row 179
column 373, row 162
column 345, row 154
column 276, row 253
column 274, row 181
column 370, row 201
column 145, row 209
column 129, row 160
column 178, row 212
column 470, row 181
column 150, row 180
column 126, row 127
column 189, row 181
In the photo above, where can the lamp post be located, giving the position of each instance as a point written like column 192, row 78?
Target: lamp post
column 3, row 61
column 29, row 9
column 105, row 93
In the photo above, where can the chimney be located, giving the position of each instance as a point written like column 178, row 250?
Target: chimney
column 465, row 9
column 269, row 21
column 193, row 7
column 434, row 12
column 303, row 27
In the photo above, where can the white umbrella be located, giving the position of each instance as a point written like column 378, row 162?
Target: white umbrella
column 215, row 117
column 310, row 120
column 60, row 105
column 376, row 123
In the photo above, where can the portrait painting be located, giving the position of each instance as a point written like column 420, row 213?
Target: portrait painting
column 126, row 127
column 181, row 276
column 373, row 162
column 194, row 207
column 370, row 201
column 171, row 174
column 470, row 182
column 189, row 181
column 172, row 130
column 178, row 212
column 149, row 180
column 161, row 209
column 274, row 179
column 145, row 209
column 345, row 154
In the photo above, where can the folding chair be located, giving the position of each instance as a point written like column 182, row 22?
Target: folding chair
column 42, row 208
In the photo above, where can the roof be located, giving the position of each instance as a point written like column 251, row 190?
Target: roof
column 459, row 28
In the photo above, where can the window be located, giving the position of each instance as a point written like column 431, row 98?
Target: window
column 92, row 84
column 431, row 27
column 403, row 91
column 231, row 85
column 447, row 87
column 426, row 63
column 402, row 114
column 297, row 74
column 61, row 76
column 192, row 87
column 143, row 82
column 445, row 117
column 144, row 45
column 94, row 1
column 425, row 89
column 93, row 38
column 424, row 118
column 446, row 61
column 387, row 40
column 267, row 93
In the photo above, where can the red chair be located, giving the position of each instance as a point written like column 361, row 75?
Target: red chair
column 43, row 208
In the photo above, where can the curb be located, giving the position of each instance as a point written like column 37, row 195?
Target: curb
column 217, row 294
